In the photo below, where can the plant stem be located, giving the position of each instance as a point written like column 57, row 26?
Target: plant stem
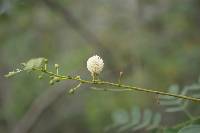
column 127, row 87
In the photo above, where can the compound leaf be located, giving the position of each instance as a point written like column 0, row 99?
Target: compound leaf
column 34, row 63
column 190, row 129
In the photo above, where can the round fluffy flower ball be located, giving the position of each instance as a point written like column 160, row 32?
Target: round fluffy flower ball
column 95, row 64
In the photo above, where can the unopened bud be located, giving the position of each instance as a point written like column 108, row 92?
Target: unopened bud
column 120, row 74
column 51, row 82
column 56, row 79
column 56, row 66
column 46, row 61
column 71, row 91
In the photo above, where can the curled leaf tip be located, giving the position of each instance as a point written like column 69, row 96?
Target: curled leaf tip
column 13, row 73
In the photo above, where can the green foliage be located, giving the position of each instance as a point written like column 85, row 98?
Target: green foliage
column 29, row 66
column 146, row 39
column 174, row 104
column 34, row 63
column 136, row 120
column 190, row 129
column 170, row 130
column 120, row 117
column 182, row 125
column 149, row 120
column 146, row 120
column 13, row 73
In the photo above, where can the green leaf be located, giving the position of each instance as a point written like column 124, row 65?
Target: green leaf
column 174, row 104
column 172, row 89
column 181, row 107
column 190, row 129
column 155, row 122
column 170, row 130
column 10, row 74
column 195, row 88
column 136, row 117
column 120, row 117
column 13, row 73
column 34, row 63
column 171, row 102
column 146, row 120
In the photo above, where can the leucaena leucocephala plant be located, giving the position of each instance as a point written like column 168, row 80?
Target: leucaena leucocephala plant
column 95, row 65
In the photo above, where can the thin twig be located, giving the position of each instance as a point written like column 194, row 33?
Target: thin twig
column 127, row 87
column 106, row 89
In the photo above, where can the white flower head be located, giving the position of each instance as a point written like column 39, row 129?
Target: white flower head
column 95, row 64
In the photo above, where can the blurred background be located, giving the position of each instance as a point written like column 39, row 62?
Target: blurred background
column 155, row 43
